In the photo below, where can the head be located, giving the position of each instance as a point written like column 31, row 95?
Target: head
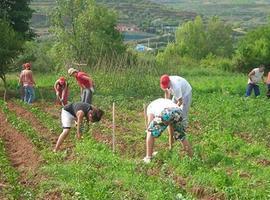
column 62, row 80
column 27, row 66
column 72, row 71
column 261, row 68
column 164, row 81
column 95, row 114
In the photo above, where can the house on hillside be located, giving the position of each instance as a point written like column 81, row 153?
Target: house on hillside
column 127, row 28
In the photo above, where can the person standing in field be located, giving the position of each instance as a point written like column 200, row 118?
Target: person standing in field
column 254, row 77
column 61, row 91
column 162, row 113
column 27, row 82
column 77, row 112
column 181, row 91
column 85, row 82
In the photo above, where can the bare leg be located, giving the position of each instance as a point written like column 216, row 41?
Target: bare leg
column 149, row 145
column 61, row 139
column 187, row 147
column 149, row 139
column 171, row 139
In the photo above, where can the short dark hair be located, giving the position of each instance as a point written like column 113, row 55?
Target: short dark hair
column 97, row 114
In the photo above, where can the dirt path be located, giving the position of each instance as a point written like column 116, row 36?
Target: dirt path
column 21, row 152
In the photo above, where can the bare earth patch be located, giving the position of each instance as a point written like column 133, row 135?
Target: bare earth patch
column 21, row 152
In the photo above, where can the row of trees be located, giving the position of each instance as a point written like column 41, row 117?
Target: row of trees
column 84, row 32
column 212, row 42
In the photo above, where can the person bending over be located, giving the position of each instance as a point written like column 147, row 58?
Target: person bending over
column 162, row 113
column 77, row 112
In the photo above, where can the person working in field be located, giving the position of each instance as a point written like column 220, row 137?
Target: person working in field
column 77, row 112
column 27, row 82
column 160, row 114
column 181, row 91
column 61, row 91
column 85, row 82
column 254, row 77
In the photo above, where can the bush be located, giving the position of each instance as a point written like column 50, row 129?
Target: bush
column 215, row 62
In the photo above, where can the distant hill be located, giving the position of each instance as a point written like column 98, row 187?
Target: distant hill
column 142, row 13
column 246, row 14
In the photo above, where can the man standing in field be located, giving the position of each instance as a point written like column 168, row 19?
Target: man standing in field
column 85, row 82
column 160, row 114
column 27, row 82
column 61, row 91
column 254, row 78
column 181, row 91
column 77, row 112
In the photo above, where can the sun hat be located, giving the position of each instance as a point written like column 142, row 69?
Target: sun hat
column 164, row 81
column 71, row 71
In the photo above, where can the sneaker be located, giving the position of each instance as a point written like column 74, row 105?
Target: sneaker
column 147, row 159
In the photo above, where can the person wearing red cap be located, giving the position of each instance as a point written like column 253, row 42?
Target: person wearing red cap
column 85, row 82
column 27, row 82
column 61, row 91
column 181, row 91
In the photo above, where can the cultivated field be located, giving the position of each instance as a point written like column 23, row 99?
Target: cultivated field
column 229, row 135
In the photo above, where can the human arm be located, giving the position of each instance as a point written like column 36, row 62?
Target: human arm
column 167, row 94
column 79, row 115
column 180, row 101
column 252, row 73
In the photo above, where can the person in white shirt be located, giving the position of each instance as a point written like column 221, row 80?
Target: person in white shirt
column 254, row 77
column 181, row 91
column 162, row 113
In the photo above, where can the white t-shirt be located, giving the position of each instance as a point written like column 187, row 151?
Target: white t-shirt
column 256, row 77
column 179, row 87
column 158, row 105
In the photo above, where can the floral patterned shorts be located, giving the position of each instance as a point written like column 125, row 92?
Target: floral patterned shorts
column 171, row 116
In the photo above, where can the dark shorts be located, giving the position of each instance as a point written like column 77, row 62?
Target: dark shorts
column 171, row 116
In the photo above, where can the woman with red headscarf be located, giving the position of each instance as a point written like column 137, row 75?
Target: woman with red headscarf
column 61, row 91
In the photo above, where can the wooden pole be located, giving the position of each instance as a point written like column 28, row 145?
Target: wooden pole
column 145, row 116
column 113, row 127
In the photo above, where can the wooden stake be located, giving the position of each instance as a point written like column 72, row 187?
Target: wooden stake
column 113, row 127
column 145, row 116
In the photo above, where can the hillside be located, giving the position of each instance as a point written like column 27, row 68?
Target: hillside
column 244, row 13
column 140, row 13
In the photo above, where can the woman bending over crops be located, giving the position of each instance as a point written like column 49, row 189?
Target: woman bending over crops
column 162, row 113
column 76, row 112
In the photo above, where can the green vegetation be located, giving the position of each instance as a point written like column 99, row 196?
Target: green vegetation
column 228, row 133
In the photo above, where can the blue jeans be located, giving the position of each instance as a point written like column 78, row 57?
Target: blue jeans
column 251, row 86
column 29, row 94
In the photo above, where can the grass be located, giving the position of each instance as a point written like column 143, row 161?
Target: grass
column 229, row 135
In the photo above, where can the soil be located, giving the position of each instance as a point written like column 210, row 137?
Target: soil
column 21, row 152
column 43, row 131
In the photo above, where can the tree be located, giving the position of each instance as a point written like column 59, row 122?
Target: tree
column 9, row 48
column 85, row 31
column 196, row 40
column 254, row 49
column 18, row 14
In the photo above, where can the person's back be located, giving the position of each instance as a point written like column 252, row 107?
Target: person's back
column 26, row 78
column 179, row 83
column 158, row 105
